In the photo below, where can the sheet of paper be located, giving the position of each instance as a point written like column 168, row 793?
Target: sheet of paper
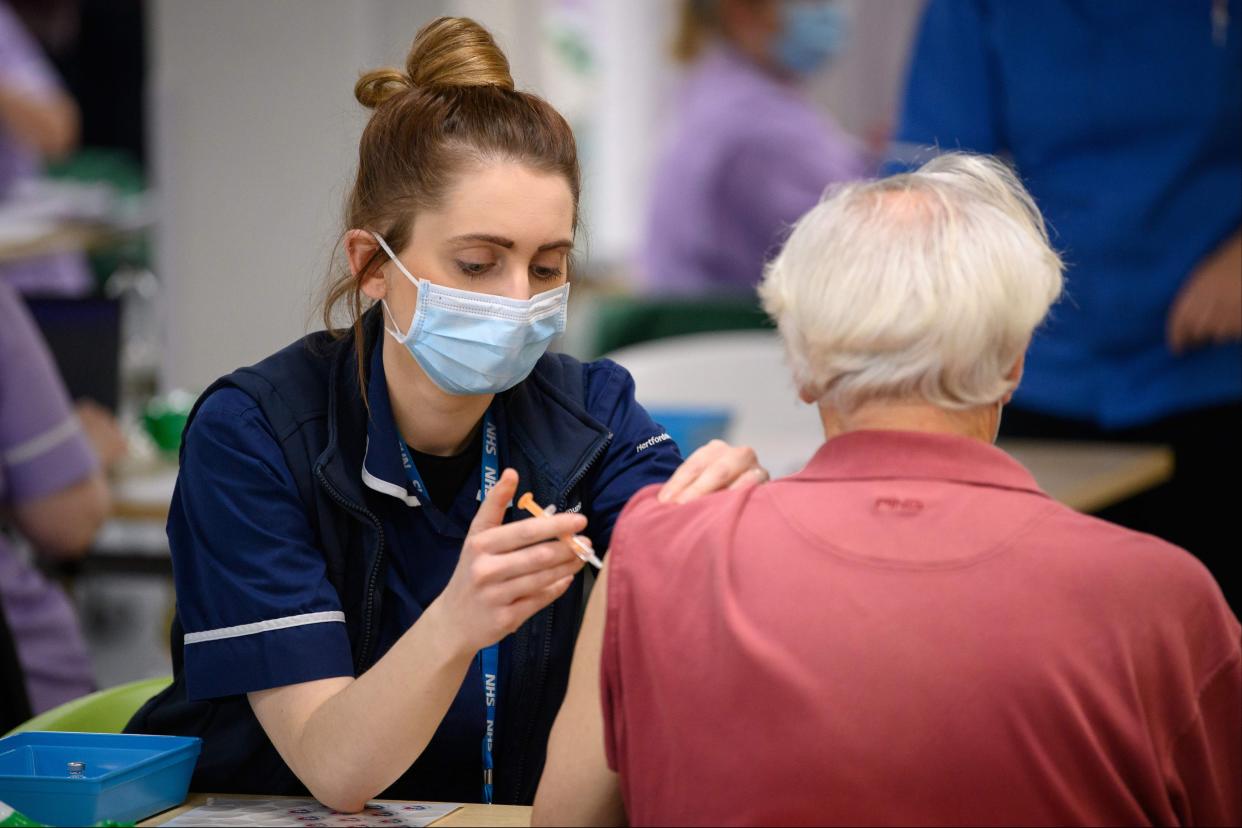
column 223, row 810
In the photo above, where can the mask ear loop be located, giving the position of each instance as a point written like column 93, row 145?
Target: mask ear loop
column 395, row 330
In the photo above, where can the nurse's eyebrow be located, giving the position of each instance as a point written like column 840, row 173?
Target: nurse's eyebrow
column 501, row 241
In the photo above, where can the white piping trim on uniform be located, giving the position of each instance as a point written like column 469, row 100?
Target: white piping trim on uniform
column 265, row 626
column 41, row 444
column 383, row 486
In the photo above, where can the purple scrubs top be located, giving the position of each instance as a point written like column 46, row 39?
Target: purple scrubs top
column 749, row 155
column 42, row 451
column 23, row 68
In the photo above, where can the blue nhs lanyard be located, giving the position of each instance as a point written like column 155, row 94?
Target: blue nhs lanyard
column 489, row 657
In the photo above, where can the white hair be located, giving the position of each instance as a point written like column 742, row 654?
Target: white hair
column 926, row 285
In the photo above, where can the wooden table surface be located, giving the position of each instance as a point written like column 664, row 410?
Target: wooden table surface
column 62, row 237
column 467, row 816
column 1090, row 476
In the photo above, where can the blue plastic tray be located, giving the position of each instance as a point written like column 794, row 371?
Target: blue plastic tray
column 127, row 777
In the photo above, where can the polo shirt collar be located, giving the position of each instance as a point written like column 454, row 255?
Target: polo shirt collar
column 382, row 469
column 917, row 455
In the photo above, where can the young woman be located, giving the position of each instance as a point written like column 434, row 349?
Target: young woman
column 360, row 608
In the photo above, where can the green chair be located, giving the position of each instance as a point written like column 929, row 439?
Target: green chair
column 107, row 711
column 621, row 321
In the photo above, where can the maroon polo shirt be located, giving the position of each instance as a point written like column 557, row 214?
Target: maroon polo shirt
column 910, row 632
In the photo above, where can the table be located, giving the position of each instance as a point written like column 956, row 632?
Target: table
column 1091, row 476
column 1085, row 476
column 467, row 816
column 143, row 493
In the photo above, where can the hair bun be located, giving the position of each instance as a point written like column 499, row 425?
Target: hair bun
column 378, row 85
column 456, row 51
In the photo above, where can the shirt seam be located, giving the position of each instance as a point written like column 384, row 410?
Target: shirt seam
column 846, row 555
column 1228, row 659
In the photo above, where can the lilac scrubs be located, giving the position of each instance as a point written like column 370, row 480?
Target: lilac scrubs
column 23, row 68
column 42, row 451
column 749, row 155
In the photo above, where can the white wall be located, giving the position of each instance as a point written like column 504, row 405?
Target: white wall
column 256, row 131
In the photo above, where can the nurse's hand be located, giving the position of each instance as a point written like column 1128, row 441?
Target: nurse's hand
column 713, row 467
column 507, row 572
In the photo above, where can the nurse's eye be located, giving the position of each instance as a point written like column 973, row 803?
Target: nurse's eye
column 473, row 268
column 545, row 273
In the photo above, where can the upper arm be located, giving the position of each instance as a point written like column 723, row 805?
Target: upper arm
column 578, row 787
column 952, row 96
column 33, row 106
column 49, row 474
column 640, row 452
column 253, row 595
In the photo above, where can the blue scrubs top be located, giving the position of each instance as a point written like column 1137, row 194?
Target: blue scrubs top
column 252, row 595
column 1124, row 119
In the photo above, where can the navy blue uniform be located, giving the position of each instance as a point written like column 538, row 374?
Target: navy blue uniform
column 259, row 607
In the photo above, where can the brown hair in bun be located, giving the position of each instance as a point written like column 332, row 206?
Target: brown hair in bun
column 454, row 106
column 450, row 51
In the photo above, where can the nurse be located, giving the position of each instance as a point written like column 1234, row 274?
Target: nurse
column 360, row 609
column 750, row 152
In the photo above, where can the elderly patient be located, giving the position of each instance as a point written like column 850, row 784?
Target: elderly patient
column 908, row 631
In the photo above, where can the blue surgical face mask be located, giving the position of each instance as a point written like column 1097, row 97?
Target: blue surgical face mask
column 475, row 343
column 813, row 32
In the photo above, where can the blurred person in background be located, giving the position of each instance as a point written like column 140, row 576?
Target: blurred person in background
column 1125, row 120
column 52, row 495
column 909, row 631
column 38, row 122
column 749, row 152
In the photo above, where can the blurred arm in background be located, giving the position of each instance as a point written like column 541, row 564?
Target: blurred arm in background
column 34, row 110
column 51, row 483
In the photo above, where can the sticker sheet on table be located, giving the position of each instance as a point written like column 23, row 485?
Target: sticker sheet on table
column 221, row 810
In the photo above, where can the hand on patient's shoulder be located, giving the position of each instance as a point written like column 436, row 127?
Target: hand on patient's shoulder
column 711, row 468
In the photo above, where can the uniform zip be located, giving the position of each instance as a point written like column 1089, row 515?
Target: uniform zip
column 364, row 651
column 583, row 469
column 542, row 674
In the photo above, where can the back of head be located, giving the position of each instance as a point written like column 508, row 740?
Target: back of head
column 922, row 286
column 697, row 23
column 452, row 108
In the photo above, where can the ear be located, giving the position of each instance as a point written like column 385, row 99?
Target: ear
column 360, row 249
column 806, row 396
column 1015, row 376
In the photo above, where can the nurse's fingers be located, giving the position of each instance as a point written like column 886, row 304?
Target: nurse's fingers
column 690, row 469
column 492, row 510
column 750, row 478
column 523, row 533
column 525, row 586
column 526, row 607
column 728, row 466
column 494, row 569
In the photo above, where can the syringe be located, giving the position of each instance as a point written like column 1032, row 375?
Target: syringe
column 580, row 549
